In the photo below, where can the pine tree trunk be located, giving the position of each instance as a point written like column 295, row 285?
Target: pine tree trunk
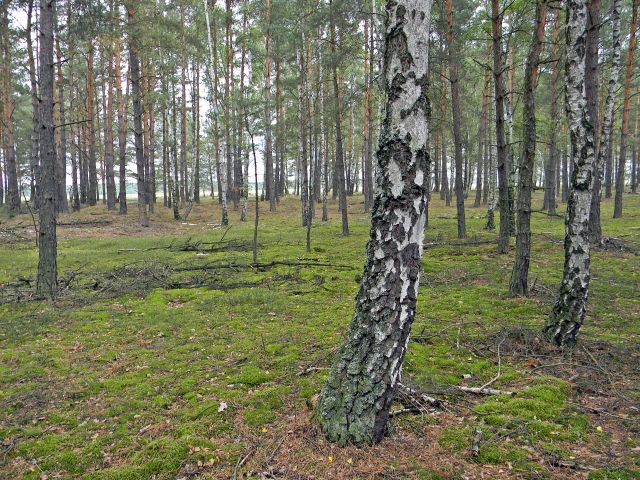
column 624, row 128
column 455, row 113
column 482, row 138
column 228, row 73
column 354, row 404
column 634, row 149
column 35, row 118
column 268, row 147
column 91, row 171
column 552, row 162
column 570, row 308
column 47, row 280
column 137, row 117
column 605, row 146
column 340, row 168
column 175, row 181
column 503, row 160
column 122, row 134
column 108, row 134
column 61, row 166
column 519, row 284
column 11, row 172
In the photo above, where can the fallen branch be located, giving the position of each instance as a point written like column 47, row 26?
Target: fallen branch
column 492, row 381
column 475, row 446
column 241, row 461
column 233, row 266
column 484, row 391
column 79, row 223
column 417, row 398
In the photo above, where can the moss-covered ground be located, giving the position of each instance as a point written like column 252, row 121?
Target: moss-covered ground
column 141, row 370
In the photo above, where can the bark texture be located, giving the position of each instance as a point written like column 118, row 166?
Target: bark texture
column 605, row 147
column 503, row 159
column 47, row 280
column 624, row 128
column 519, row 284
column 570, row 308
column 455, row 114
column 354, row 404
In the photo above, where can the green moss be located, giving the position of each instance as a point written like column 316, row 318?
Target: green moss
column 96, row 368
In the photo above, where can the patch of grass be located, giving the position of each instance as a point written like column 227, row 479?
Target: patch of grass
column 123, row 376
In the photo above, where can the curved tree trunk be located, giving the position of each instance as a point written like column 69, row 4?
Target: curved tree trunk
column 570, row 308
column 354, row 404
column 519, row 284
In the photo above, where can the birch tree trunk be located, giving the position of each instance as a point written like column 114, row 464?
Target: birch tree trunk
column 354, row 404
column 570, row 308
column 47, row 280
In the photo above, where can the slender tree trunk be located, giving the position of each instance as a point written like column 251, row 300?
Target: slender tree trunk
column 570, row 308
column 137, row 116
column 605, row 146
column 122, row 134
column 151, row 179
column 35, row 118
column 338, row 121
column 91, row 172
column 455, row 113
column 268, row 147
column 634, row 149
column 624, row 127
column 108, row 134
column 47, row 280
column 184, row 177
column 354, row 404
column 175, row 181
column 591, row 89
column 302, row 160
column 196, row 131
column 74, row 134
column 227, row 102
column 519, row 284
column 552, row 162
column 61, row 166
column 11, row 171
column 503, row 160
column 482, row 137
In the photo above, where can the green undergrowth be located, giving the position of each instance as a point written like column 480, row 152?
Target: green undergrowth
column 110, row 384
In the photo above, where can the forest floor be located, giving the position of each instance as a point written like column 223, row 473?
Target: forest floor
column 169, row 356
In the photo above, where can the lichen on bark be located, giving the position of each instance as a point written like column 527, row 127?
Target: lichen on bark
column 354, row 404
column 570, row 308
